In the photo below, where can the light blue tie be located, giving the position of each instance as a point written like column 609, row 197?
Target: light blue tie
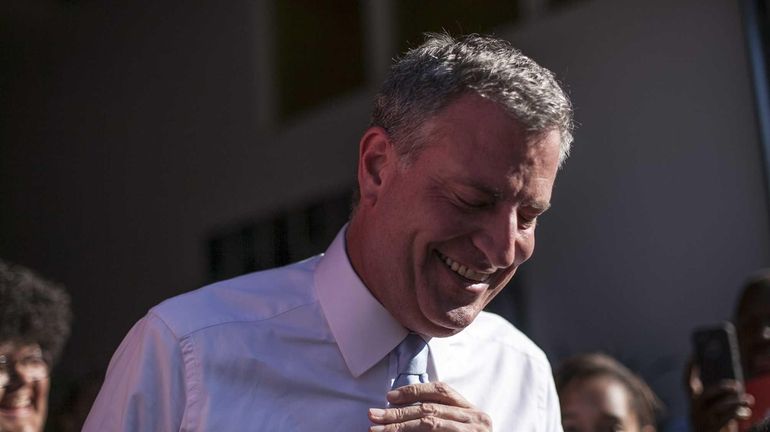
column 412, row 361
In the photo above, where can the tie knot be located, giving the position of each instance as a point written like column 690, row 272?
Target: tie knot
column 411, row 360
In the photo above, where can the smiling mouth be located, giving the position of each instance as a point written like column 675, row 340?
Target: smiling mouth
column 17, row 404
column 464, row 270
column 18, row 408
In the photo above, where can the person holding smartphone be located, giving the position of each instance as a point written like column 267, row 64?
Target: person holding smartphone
column 729, row 405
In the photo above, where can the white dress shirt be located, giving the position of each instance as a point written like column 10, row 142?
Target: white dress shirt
column 304, row 347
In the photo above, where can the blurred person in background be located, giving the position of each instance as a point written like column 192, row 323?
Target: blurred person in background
column 34, row 325
column 721, row 407
column 598, row 394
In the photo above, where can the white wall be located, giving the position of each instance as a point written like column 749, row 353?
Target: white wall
column 661, row 211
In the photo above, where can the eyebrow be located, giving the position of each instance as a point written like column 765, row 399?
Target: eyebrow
column 611, row 418
column 492, row 192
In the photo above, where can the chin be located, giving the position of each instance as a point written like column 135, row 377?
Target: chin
column 462, row 319
column 452, row 322
column 430, row 326
column 20, row 422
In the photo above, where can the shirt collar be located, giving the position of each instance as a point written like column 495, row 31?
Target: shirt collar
column 364, row 330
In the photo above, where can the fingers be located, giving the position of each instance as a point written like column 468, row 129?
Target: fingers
column 719, row 404
column 724, row 411
column 724, row 395
column 431, row 423
column 720, row 389
column 437, row 392
column 423, row 424
column 414, row 412
column 428, row 407
column 693, row 384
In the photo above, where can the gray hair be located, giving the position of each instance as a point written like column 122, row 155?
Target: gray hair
column 428, row 78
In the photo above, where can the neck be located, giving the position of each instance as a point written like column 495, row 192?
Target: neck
column 354, row 241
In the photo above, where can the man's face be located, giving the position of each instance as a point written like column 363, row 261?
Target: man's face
column 446, row 233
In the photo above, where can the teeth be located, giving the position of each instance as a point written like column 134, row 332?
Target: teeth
column 19, row 403
column 464, row 271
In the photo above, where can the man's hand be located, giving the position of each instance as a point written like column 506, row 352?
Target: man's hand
column 717, row 408
column 438, row 407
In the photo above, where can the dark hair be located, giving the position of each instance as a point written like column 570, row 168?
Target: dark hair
column 643, row 400
column 757, row 283
column 33, row 310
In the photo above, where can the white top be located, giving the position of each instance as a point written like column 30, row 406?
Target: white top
column 304, row 347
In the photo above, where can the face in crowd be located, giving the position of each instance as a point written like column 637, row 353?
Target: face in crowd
column 24, row 387
column 753, row 327
column 34, row 325
column 449, row 228
column 598, row 394
column 599, row 404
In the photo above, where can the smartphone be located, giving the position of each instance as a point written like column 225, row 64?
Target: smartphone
column 717, row 354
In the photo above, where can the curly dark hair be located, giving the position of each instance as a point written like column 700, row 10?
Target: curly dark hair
column 33, row 310
column 643, row 400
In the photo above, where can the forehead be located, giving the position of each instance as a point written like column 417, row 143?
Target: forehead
column 16, row 348
column 596, row 396
column 755, row 303
column 480, row 140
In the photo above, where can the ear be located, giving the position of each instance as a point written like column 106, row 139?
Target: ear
column 376, row 158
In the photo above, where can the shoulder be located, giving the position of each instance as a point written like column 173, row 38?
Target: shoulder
column 493, row 331
column 248, row 298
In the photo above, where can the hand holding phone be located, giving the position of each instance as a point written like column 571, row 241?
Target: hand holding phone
column 716, row 381
column 717, row 354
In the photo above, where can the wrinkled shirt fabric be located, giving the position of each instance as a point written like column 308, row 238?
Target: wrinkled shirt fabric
column 304, row 347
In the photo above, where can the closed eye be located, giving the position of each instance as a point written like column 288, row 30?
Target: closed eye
column 527, row 222
column 475, row 204
column 528, row 219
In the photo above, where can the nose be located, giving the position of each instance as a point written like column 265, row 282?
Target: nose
column 496, row 237
column 12, row 379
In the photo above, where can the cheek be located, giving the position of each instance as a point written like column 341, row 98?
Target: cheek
column 42, row 387
column 525, row 247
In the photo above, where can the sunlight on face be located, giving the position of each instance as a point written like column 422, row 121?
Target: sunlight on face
column 597, row 404
column 446, row 233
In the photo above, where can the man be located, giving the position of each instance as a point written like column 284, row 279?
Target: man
column 457, row 165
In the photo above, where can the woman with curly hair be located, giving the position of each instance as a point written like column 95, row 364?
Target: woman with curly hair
column 34, row 325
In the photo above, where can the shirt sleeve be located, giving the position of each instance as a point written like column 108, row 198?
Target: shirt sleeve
column 553, row 411
column 144, row 389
